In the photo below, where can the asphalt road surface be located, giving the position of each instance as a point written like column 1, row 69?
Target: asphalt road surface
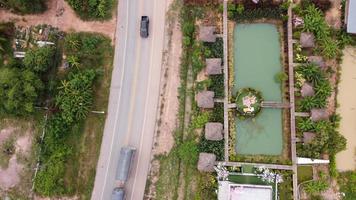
column 134, row 97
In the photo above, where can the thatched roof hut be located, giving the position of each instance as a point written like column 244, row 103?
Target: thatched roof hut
column 207, row 33
column 205, row 99
column 308, row 137
column 307, row 40
column 213, row 66
column 318, row 114
column 318, row 60
column 206, row 162
column 213, row 131
column 307, row 90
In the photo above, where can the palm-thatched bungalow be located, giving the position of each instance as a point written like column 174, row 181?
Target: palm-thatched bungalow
column 307, row 40
column 207, row 33
column 318, row 60
column 318, row 114
column 307, row 90
column 213, row 66
column 213, row 131
column 308, row 137
column 205, row 99
column 206, row 162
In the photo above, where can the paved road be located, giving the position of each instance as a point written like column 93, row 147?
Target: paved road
column 134, row 97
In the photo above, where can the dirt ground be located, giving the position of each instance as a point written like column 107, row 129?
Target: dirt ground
column 333, row 15
column 167, row 119
column 346, row 160
column 66, row 21
column 11, row 175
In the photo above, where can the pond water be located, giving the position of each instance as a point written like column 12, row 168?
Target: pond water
column 256, row 62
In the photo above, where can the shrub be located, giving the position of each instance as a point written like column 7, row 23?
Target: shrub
column 75, row 96
column 315, row 187
column 25, row 6
column 217, row 85
column 215, row 147
column 347, row 183
column 188, row 152
column 19, row 90
column 39, row 59
column 92, row 9
column 280, row 77
column 200, row 120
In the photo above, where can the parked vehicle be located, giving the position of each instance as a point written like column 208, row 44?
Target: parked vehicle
column 145, row 21
column 125, row 159
column 118, row 194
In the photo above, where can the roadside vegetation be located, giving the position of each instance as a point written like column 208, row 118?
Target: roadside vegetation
column 25, row 6
column 67, row 91
column 178, row 175
column 93, row 9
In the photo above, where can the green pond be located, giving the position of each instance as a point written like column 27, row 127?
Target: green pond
column 256, row 63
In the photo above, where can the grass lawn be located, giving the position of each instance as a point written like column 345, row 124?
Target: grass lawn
column 305, row 173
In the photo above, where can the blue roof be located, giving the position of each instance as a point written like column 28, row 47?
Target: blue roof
column 351, row 18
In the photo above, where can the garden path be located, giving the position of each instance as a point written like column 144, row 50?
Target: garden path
column 60, row 14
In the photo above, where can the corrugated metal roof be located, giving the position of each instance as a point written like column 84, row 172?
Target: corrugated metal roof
column 351, row 19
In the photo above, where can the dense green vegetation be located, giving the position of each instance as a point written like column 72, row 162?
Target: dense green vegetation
column 327, row 140
column 305, row 173
column 347, row 183
column 25, row 6
column 313, row 74
column 247, row 11
column 72, row 102
column 93, row 9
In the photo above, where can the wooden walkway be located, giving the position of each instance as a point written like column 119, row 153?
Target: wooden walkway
column 226, row 84
column 302, row 114
column 273, row 104
column 270, row 166
column 292, row 102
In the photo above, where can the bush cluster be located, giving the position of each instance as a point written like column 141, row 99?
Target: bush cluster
column 25, row 6
column 92, row 9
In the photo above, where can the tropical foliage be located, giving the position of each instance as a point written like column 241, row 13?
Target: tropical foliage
column 19, row 90
column 25, row 6
column 315, row 23
column 347, row 183
column 92, row 9
column 75, row 96
column 327, row 140
column 39, row 59
column 313, row 74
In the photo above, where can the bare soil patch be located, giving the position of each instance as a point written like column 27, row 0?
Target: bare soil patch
column 333, row 15
column 60, row 14
column 346, row 160
column 169, row 103
column 10, row 176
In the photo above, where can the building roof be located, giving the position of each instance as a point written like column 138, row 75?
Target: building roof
column 207, row 33
column 232, row 191
column 206, row 162
column 205, row 99
column 318, row 114
column 308, row 137
column 213, row 66
column 307, row 40
column 318, row 60
column 213, row 131
column 351, row 16
column 307, row 90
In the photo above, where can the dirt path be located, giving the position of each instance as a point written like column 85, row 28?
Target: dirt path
column 66, row 21
column 333, row 15
column 346, row 160
column 169, row 103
